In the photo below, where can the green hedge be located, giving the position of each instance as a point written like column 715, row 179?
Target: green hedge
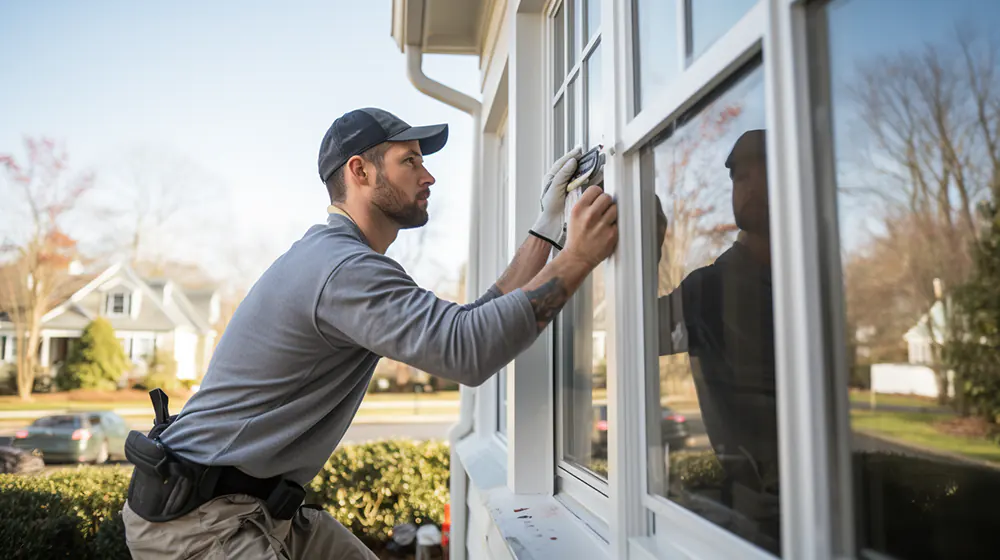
column 371, row 488
column 75, row 513
column 68, row 514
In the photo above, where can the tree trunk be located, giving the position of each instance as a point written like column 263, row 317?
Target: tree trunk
column 28, row 357
column 942, row 382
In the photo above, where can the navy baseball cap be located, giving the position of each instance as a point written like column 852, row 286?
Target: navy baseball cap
column 362, row 129
column 750, row 146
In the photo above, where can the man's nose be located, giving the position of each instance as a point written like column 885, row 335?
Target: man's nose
column 427, row 179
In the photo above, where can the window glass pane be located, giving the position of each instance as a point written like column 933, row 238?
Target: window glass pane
column 593, row 17
column 711, row 20
column 558, row 50
column 572, row 136
column 142, row 349
column 657, row 60
column 711, row 416
column 595, row 107
column 572, row 27
column 57, row 422
column 584, row 375
column 559, row 129
column 914, row 109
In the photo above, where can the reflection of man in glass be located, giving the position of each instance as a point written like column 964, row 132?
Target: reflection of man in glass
column 728, row 332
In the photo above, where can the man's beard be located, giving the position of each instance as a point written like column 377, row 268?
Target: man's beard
column 391, row 202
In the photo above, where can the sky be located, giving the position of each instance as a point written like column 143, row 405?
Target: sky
column 244, row 91
column 862, row 31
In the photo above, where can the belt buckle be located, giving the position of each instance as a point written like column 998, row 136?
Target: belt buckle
column 285, row 499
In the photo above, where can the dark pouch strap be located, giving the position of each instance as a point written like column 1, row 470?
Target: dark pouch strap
column 285, row 499
column 160, row 401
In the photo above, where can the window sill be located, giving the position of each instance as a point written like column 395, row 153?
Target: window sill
column 524, row 526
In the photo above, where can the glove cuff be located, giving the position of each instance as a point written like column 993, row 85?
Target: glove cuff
column 546, row 238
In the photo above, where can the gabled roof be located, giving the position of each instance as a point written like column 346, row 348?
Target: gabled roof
column 159, row 305
column 920, row 331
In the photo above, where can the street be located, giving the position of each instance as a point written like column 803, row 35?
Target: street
column 361, row 432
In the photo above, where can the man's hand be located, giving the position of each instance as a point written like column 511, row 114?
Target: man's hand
column 593, row 235
column 593, row 227
column 550, row 225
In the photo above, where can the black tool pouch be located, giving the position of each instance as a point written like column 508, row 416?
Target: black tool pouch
column 163, row 486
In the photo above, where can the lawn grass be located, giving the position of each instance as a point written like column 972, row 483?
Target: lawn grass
column 864, row 397
column 919, row 429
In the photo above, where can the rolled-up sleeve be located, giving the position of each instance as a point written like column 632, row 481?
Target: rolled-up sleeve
column 490, row 295
column 370, row 301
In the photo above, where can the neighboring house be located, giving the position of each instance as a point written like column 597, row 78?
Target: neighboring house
column 920, row 339
column 148, row 314
column 916, row 377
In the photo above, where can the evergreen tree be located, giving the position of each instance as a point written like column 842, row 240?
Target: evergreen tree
column 97, row 361
column 973, row 348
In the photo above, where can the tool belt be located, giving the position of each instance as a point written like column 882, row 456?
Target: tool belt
column 165, row 486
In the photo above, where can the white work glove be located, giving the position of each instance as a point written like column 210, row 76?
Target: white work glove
column 550, row 224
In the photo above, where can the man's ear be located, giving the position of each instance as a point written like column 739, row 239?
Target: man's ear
column 355, row 168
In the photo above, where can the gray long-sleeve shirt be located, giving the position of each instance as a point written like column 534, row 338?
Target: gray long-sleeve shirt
column 292, row 367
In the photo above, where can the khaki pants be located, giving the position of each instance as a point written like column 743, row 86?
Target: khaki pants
column 238, row 526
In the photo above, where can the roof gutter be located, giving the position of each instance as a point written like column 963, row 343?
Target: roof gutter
column 462, row 102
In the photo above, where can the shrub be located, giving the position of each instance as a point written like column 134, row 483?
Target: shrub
column 695, row 470
column 70, row 514
column 8, row 379
column 369, row 488
column 932, row 508
column 97, row 362
column 162, row 373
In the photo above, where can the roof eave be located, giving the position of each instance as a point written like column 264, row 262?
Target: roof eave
column 438, row 26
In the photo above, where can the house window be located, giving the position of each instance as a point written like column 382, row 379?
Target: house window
column 142, row 348
column 663, row 49
column 912, row 156
column 118, row 303
column 577, row 117
column 126, row 343
column 710, row 399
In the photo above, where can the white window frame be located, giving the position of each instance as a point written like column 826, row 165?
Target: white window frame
column 581, row 491
column 646, row 526
column 504, row 187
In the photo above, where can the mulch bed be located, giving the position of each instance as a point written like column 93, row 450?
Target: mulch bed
column 971, row 427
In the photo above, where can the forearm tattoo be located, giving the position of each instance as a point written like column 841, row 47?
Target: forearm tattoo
column 547, row 300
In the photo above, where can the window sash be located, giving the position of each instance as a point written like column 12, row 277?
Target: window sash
column 580, row 490
column 776, row 26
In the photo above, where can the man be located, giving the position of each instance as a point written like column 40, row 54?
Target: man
column 722, row 316
column 225, row 477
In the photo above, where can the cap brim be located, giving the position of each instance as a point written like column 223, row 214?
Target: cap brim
column 432, row 137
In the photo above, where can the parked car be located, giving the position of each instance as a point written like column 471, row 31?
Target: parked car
column 85, row 437
column 673, row 428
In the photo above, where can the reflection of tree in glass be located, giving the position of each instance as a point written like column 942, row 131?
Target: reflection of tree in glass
column 693, row 187
column 931, row 124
